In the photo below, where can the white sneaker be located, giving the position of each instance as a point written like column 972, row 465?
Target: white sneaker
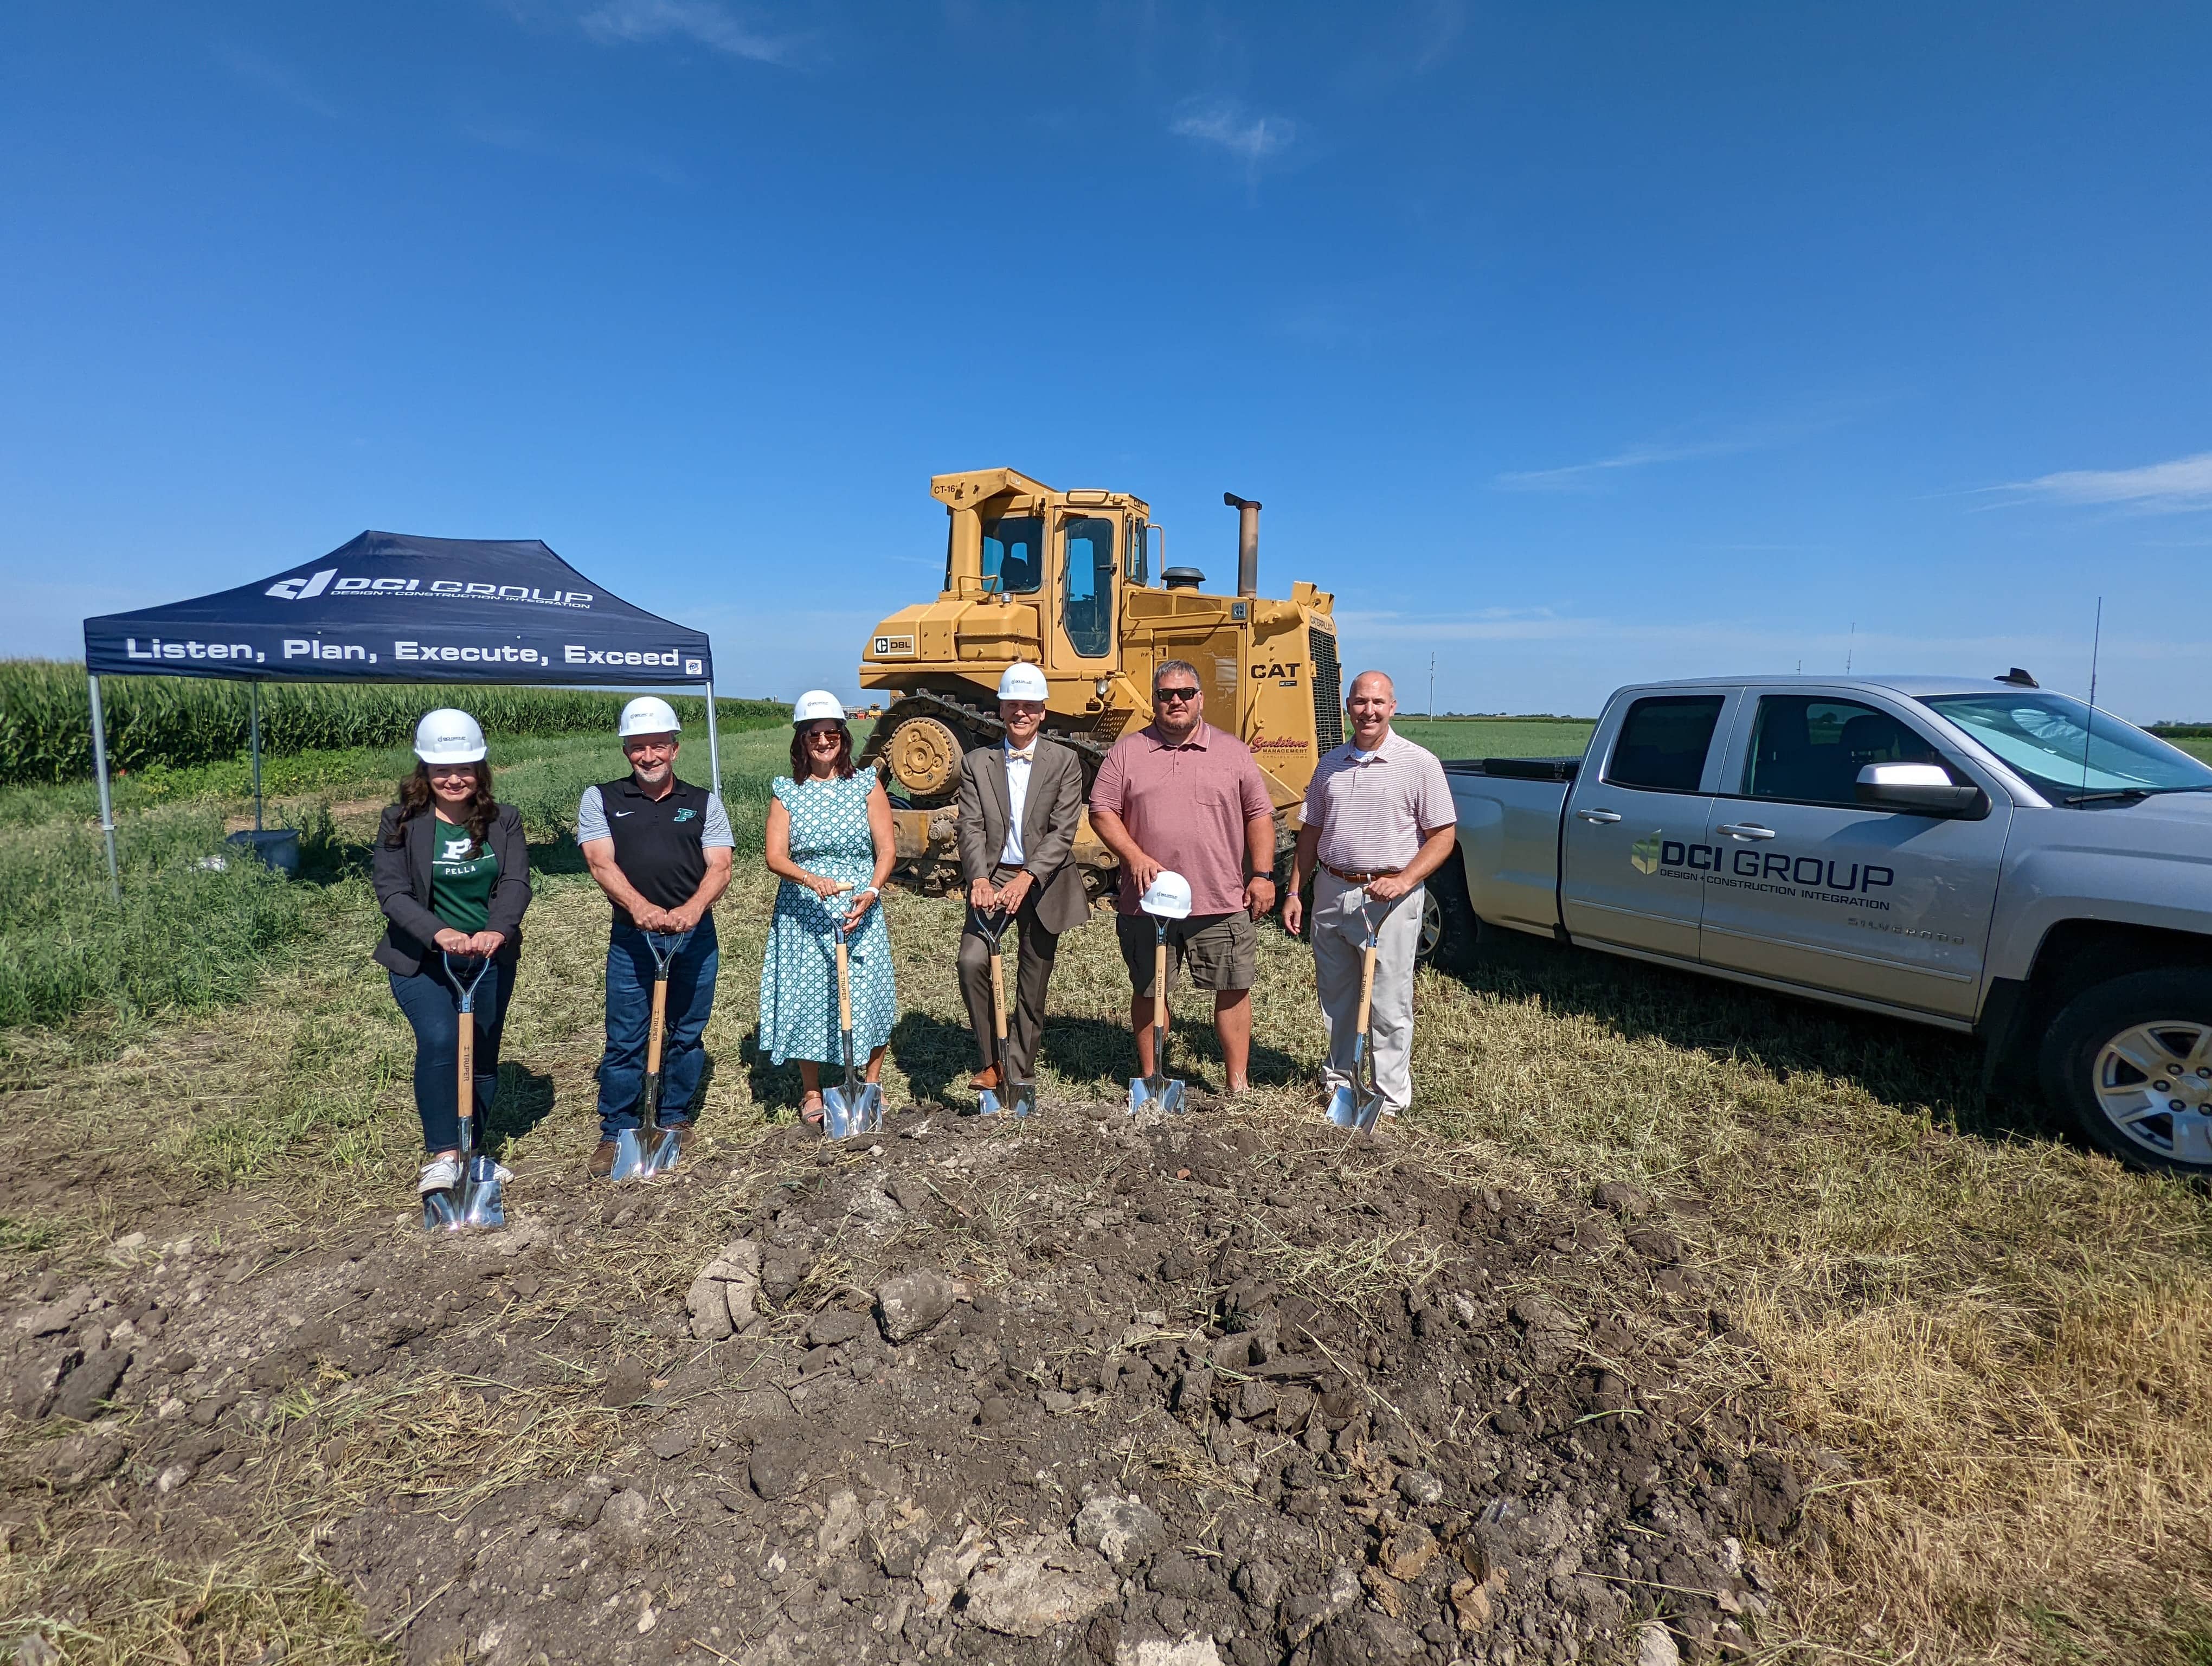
column 441, row 1174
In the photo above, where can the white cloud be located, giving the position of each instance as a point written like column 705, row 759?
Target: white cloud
column 2182, row 484
column 1251, row 138
column 270, row 76
column 1578, row 474
column 702, row 21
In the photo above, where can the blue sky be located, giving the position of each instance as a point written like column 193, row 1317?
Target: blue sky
column 1573, row 344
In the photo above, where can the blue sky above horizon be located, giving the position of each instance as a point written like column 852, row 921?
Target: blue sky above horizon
column 1572, row 345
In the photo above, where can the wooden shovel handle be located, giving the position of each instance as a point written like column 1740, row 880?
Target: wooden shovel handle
column 844, row 988
column 465, row 1052
column 1366, row 985
column 999, row 1003
column 659, row 1025
column 1160, row 984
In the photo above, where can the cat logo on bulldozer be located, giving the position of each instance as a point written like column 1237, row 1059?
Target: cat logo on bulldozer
column 1287, row 675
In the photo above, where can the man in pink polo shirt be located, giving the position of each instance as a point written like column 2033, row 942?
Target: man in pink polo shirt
column 1183, row 796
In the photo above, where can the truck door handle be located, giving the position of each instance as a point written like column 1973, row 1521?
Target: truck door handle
column 1745, row 831
column 1600, row 816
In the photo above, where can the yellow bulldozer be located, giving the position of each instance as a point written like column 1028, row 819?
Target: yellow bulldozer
column 1063, row 580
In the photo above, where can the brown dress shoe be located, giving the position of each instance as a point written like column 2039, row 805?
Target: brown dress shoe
column 602, row 1160
column 985, row 1080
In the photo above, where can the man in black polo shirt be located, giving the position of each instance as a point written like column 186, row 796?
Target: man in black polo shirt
column 660, row 848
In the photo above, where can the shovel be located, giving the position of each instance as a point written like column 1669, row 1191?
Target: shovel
column 1020, row 1098
column 475, row 1199
column 1356, row 1105
column 858, row 1106
column 1157, row 1091
column 647, row 1151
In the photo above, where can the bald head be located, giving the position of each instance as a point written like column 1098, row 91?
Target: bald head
column 1371, row 706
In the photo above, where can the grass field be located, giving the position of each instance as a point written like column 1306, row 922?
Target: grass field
column 2002, row 1343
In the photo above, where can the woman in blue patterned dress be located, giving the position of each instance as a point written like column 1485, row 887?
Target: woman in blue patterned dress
column 829, row 841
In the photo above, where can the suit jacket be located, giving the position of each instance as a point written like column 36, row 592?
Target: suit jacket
column 1048, row 819
column 402, row 876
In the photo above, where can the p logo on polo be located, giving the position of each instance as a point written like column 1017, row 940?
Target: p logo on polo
column 1644, row 854
column 456, row 850
column 685, row 814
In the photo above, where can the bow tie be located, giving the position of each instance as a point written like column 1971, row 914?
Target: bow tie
column 1013, row 757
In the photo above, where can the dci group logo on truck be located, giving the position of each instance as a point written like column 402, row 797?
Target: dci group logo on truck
column 1780, row 873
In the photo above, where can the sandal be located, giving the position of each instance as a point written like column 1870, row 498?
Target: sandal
column 810, row 1110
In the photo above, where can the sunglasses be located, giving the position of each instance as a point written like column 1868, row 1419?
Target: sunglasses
column 1175, row 694
column 822, row 732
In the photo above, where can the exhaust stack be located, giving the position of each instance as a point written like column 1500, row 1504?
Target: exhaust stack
column 1248, row 542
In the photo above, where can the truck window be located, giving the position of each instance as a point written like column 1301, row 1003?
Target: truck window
column 1809, row 749
column 1013, row 555
column 2066, row 754
column 1088, row 590
column 1663, row 742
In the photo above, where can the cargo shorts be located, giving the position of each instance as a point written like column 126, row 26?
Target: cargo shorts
column 1220, row 951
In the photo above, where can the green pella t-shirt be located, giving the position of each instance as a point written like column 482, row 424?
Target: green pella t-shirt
column 461, row 878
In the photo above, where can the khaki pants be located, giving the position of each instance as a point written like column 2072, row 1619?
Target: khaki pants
column 1338, row 933
column 1025, row 1009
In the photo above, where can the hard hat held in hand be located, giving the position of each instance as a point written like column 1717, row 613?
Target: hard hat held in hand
column 816, row 704
column 446, row 736
column 1023, row 682
column 647, row 714
column 1168, row 897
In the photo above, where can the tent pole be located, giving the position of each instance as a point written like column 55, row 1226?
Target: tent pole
column 254, row 688
column 714, row 747
column 99, row 770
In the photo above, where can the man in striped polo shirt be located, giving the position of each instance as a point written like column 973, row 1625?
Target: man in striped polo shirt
column 1379, row 819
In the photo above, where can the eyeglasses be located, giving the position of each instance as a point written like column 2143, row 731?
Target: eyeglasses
column 1175, row 694
column 822, row 732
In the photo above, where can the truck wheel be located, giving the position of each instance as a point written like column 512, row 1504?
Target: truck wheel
column 2131, row 1060
column 1449, row 931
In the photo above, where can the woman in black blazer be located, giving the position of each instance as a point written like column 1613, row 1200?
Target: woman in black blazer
column 452, row 876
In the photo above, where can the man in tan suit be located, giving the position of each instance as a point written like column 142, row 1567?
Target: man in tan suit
column 1019, row 802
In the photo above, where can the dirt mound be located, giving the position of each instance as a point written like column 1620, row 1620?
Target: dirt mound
column 1221, row 1388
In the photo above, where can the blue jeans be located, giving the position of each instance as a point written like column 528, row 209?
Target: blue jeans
column 629, row 1018
column 433, row 1008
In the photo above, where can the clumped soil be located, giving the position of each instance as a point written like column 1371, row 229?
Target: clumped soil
column 1228, row 1386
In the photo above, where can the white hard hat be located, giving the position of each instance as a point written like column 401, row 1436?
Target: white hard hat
column 1023, row 682
column 446, row 736
column 817, row 703
column 1168, row 897
column 647, row 714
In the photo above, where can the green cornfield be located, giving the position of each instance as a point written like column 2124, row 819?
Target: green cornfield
column 46, row 717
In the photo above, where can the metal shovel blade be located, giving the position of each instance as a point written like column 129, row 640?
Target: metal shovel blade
column 440, row 1211
column 662, row 1158
column 851, row 1111
column 630, row 1154
column 1161, row 1093
column 481, row 1202
column 1348, row 1108
column 1021, row 1098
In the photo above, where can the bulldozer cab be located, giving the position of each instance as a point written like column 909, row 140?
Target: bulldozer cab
column 1069, row 561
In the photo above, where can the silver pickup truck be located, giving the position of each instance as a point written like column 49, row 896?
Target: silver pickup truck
column 1977, row 855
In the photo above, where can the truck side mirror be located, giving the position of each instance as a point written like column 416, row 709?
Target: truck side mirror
column 1923, row 789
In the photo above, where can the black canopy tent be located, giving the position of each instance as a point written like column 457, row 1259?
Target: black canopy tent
column 387, row 607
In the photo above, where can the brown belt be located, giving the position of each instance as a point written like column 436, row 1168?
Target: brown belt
column 1352, row 878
